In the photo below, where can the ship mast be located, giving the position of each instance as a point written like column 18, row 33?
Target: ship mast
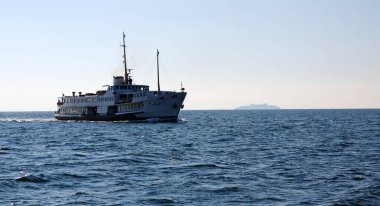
column 125, row 62
column 158, row 72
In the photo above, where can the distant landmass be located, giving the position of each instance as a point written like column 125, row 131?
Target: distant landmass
column 258, row 106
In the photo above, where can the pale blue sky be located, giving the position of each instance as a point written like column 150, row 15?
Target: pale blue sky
column 295, row 53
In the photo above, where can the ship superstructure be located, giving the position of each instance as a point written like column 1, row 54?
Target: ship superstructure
column 123, row 100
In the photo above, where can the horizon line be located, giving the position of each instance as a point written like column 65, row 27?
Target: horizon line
column 366, row 108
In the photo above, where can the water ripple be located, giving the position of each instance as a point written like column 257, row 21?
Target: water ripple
column 286, row 157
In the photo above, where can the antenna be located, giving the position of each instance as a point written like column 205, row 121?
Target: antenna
column 125, row 62
column 182, row 89
column 158, row 71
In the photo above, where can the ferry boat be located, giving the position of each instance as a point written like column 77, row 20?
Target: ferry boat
column 124, row 100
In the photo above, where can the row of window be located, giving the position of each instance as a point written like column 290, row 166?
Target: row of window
column 73, row 110
column 87, row 99
column 123, row 108
column 137, row 95
column 100, row 99
column 129, row 87
column 81, row 100
column 105, row 99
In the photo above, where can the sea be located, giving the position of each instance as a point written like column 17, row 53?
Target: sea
column 231, row 157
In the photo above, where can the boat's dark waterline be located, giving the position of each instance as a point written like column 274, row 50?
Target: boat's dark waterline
column 124, row 117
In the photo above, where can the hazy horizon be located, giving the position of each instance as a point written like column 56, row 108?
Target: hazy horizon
column 231, row 109
column 294, row 54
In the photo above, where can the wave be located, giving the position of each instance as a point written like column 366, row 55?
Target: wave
column 227, row 189
column 204, row 165
column 31, row 178
column 194, row 166
column 72, row 175
column 22, row 120
column 363, row 196
column 5, row 148
column 159, row 201
column 79, row 193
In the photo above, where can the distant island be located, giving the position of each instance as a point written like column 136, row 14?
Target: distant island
column 258, row 107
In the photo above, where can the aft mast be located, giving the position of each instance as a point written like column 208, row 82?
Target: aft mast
column 158, row 72
column 126, row 79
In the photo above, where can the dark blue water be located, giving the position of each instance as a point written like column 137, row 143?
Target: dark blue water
column 285, row 157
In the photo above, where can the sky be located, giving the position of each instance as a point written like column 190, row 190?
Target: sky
column 296, row 54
